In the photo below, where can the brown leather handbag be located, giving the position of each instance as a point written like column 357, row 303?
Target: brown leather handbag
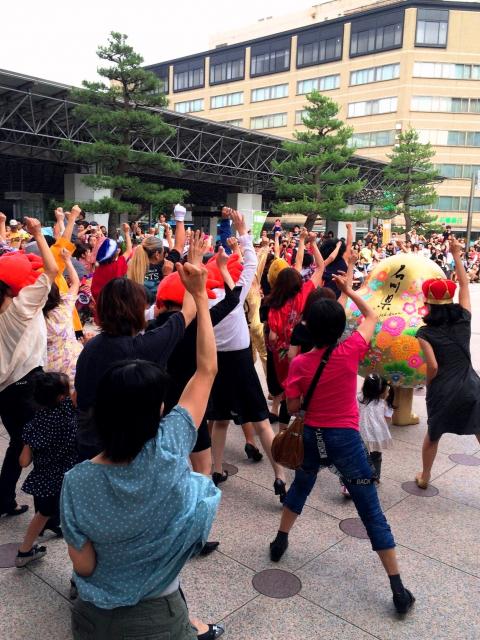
column 287, row 445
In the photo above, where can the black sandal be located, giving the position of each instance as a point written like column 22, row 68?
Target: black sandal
column 214, row 631
column 16, row 511
column 280, row 489
column 253, row 453
column 219, row 477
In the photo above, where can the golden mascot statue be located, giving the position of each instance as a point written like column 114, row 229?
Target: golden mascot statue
column 394, row 289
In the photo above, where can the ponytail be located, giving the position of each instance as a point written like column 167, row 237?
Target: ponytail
column 138, row 265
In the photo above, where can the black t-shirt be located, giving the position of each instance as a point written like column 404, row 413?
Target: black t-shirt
column 104, row 350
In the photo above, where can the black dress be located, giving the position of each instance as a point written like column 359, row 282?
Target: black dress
column 453, row 396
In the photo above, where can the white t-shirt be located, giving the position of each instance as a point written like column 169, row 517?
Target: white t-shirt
column 23, row 333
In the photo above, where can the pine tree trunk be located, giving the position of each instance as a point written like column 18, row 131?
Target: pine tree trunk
column 408, row 222
column 310, row 221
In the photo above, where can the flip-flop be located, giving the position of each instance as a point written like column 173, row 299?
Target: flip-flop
column 420, row 482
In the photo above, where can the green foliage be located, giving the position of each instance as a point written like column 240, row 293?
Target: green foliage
column 412, row 171
column 118, row 114
column 316, row 180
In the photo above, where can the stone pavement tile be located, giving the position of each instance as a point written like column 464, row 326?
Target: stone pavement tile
column 326, row 496
column 268, row 619
column 55, row 568
column 349, row 581
column 439, row 528
column 449, row 443
column 216, row 585
column 30, row 609
column 461, row 484
column 248, row 521
column 404, row 461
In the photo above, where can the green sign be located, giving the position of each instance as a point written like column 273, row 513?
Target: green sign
column 257, row 225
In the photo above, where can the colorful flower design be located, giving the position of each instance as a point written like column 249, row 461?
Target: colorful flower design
column 415, row 361
column 423, row 311
column 394, row 325
column 409, row 308
column 375, row 284
column 382, row 276
column 404, row 347
column 384, row 340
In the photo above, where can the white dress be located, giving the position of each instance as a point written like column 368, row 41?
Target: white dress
column 373, row 425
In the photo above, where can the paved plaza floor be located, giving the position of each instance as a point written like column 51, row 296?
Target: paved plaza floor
column 340, row 589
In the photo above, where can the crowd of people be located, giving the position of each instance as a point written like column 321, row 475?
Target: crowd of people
column 124, row 426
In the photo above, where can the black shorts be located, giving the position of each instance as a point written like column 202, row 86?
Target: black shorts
column 49, row 506
column 203, row 438
column 237, row 393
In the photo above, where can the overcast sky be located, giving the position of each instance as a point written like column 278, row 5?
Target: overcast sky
column 57, row 39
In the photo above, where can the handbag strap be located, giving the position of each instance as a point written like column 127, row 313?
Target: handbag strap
column 316, row 377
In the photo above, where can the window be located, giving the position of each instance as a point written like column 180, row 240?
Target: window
column 455, row 203
column 375, row 74
column 447, row 105
column 376, row 33
column 446, row 70
column 323, row 83
column 227, row 66
column 450, row 138
column 162, row 72
column 226, row 100
column 189, row 74
column 270, row 93
column 373, row 139
column 458, row 170
column 320, row 44
column 372, row 107
column 270, row 56
column 189, row 106
column 299, row 116
column 233, row 123
column 432, row 28
column 269, row 122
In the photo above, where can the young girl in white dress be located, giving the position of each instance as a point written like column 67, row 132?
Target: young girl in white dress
column 376, row 409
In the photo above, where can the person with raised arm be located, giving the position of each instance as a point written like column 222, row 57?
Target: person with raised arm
column 331, row 434
column 453, row 386
column 23, row 349
column 135, row 513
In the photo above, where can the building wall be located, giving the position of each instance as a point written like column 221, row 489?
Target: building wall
column 462, row 47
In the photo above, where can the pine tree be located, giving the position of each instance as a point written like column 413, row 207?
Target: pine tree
column 413, row 174
column 118, row 114
column 316, row 180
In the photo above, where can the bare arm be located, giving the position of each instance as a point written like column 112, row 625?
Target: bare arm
column 73, row 278
column 85, row 560
column 294, row 405
column 370, row 317
column 72, row 216
column 195, row 395
column 3, row 229
column 432, row 365
column 333, row 255
column 179, row 213
column 349, row 242
column 317, row 277
column 25, row 458
column 59, row 226
column 301, row 249
column 462, row 277
column 128, row 241
column 222, row 262
column 34, row 228
column 352, row 261
column 276, row 246
column 168, row 236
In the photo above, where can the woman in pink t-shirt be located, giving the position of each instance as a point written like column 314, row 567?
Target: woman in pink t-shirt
column 331, row 433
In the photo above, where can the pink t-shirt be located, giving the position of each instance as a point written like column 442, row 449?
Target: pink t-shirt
column 334, row 401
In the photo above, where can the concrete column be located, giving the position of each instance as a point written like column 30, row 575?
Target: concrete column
column 246, row 203
column 76, row 191
column 339, row 228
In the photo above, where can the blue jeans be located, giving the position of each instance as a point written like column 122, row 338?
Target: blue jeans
column 344, row 449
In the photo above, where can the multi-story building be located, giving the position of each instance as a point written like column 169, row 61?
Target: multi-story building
column 389, row 65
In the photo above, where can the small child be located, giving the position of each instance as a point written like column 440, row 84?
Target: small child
column 376, row 410
column 49, row 441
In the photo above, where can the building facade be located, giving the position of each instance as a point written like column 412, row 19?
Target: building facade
column 389, row 65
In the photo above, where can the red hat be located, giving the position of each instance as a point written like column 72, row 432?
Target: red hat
column 18, row 270
column 439, row 290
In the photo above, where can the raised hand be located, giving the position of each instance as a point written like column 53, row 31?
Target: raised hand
column 125, row 228
column 341, row 281
column 194, row 279
column 66, row 255
column 199, row 246
column 76, row 211
column 221, row 259
column 33, row 226
column 59, row 214
column 353, row 257
column 303, row 234
column 3, row 217
column 238, row 222
column 456, row 247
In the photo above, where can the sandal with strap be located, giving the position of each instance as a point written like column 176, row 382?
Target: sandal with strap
column 214, row 631
column 420, row 482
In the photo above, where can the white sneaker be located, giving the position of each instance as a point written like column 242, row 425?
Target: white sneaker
column 25, row 557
